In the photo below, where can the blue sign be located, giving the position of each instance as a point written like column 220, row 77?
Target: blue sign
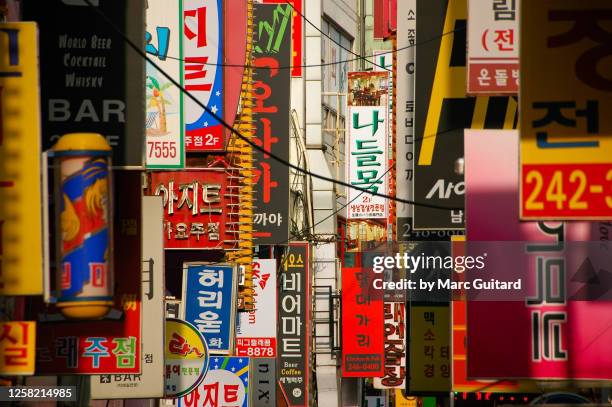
column 209, row 300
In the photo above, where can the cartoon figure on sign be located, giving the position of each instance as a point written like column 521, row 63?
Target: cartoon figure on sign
column 157, row 119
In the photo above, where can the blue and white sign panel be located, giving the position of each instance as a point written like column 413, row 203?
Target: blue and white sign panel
column 209, row 303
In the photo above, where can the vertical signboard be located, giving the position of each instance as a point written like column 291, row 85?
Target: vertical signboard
column 362, row 325
column 84, row 83
column 566, row 142
column 545, row 333
column 17, row 348
column 367, row 144
column 21, row 258
column 430, row 357
column 256, row 330
column 294, row 325
column 209, row 303
column 443, row 112
column 263, row 382
column 493, row 51
column 150, row 381
column 404, row 144
column 203, row 74
column 296, row 34
column 164, row 114
column 395, row 347
column 272, row 50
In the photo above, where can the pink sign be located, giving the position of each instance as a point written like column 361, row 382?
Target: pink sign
column 546, row 335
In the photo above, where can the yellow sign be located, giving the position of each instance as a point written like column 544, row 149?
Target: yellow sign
column 21, row 258
column 17, row 348
column 401, row 401
column 430, row 351
column 565, row 104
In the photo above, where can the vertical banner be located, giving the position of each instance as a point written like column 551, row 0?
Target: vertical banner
column 272, row 50
column 395, row 347
column 21, row 258
column 430, row 357
column 546, row 333
column 444, row 111
column 209, row 303
column 404, row 161
column 164, row 114
column 296, row 34
column 566, row 131
column 203, row 74
column 263, row 382
column 84, row 83
column 17, row 348
column 493, row 54
column 294, row 325
column 227, row 383
column 367, row 144
column 256, row 330
column 150, row 382
column 362, row 325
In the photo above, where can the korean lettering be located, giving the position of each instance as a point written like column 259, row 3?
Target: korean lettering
column 96, row 350
column 14, row 340
column 125, row 352
column 504, row 10
column 68, row 347
column 553, row 114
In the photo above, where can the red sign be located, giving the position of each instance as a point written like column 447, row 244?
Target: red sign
column 385, row 18
column 362, row 325
column 197, row 208
column 296, row 34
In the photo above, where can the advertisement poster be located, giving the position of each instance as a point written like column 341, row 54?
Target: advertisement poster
column 493, row 51
column 209, row 303
column 150, row 381
column 84, row 84
column 271, row 115
column 566, row 171
column 17, row 348
column 227, row 383
column 443, row 111
column 395, row 347
column 367, row 144
column 546, row 334
column 164, row 116
column 21, row 260
column 203, row 74
column 362, row 325
column 256, row 330
column 198, row 208
column 293, row 335
column 263, row 382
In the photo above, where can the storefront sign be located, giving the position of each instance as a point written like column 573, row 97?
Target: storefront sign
column 197, row 208
column 209, row 303
column 271, row 113
column 21, row 258
column 203, row 73
column 84, row 82
column 263, row 382
column 186, row 357
column 17, row 348
column 150, row 381
column 294, row 327
column 566, row 97
column 164, row 115
column 362, row 325
column 395, row 347
column 493, row 35
column 256, row 330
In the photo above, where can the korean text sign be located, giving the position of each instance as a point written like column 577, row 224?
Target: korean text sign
column 271, row 114
column 256, row 330
column 566, row 97
column 203, row 73
column 17, row 348
column 21, row 250
column 294, row 325
column 395, row 347
column 362, row 325
column 209, row 302
column 493, row 38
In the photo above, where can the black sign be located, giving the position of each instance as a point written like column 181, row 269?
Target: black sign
column 263, row 382
column 84, row 70
column 272, row 54
column 294, row 325
column 442, row 115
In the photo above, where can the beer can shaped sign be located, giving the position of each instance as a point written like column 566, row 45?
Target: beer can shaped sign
column 83, row 199
column 186, row 357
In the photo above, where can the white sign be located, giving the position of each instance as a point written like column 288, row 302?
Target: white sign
column 256, row 330
column 150, row 383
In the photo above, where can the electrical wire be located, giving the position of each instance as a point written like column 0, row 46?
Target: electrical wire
column 246, row 139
